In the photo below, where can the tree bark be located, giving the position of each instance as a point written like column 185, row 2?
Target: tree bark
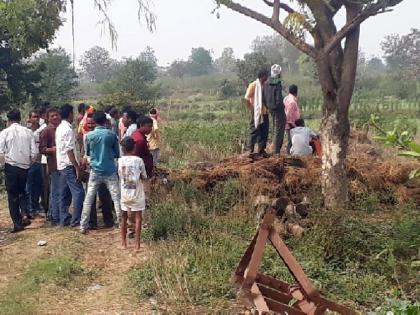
column 334, row 137
column 337, row 72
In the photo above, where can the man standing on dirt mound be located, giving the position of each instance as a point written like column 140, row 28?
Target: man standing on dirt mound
column 273, row 98
column 259, row 125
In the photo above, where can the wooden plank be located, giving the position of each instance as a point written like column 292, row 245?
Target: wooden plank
column 282, row 308
column 254, row 264
column 254, row 298
column 332, row 306
column 294, row 267
column 306, row 307
column 243, row 264
column 274, row 294
column 272, row 282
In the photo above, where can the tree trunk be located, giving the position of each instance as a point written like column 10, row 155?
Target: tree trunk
column 334, row 137
column 335, row 130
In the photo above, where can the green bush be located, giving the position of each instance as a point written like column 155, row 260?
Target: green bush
column 121, row 99
column 171, row 220
column 397, row 307
column 228, row 89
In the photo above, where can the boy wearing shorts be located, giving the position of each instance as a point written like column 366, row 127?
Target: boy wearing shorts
column 131, row 171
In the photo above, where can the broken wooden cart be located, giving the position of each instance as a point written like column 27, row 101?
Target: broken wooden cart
column 269, row 295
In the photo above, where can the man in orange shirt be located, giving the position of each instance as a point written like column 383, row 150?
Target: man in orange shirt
column 259, row 125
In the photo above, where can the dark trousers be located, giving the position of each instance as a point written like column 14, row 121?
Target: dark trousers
column 279, row 123
column 106, row 204
column 289, row 141
column 34, row 187
column 15, row 179
column 45, row 195
column 258, row 135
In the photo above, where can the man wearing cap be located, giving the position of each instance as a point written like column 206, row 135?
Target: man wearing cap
column 273, row 98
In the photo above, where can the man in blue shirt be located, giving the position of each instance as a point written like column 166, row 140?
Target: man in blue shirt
column 103, row 148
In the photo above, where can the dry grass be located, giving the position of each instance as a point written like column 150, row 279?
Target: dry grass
column 101, row 260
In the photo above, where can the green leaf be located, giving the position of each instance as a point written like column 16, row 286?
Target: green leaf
column 414, row 174
column 292, row 301
column 414, row 147
column 410, row 154
column 380, row 138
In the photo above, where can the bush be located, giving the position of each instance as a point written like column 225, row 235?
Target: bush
column 121, row 99
column 196, row 270
column 228, row 89
column 169, row 220
column 397, row 307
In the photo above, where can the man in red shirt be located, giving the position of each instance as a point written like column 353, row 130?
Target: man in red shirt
column 144, row 127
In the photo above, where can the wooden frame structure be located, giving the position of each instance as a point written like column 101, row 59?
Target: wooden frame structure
column 269, row 295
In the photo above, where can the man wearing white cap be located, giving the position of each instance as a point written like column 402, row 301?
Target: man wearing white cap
column 273, row 99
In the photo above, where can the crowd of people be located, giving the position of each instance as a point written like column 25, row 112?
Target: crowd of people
column 50, row 165
column 60, row 158
column 265, row 96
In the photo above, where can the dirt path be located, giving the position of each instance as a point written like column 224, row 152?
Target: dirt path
column 104, row 287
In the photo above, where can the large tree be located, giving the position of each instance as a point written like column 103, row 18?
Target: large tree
column 200, row 61
column 178, row 69
column 96, row 64
column 226, row 63
column 135, row 78
column 402, row 54
column 277, row 50
column 25, row 27
column 336, row 62
column 248, row 67
column 58, row 79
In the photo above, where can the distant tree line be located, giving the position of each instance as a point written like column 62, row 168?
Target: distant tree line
column 32, row 73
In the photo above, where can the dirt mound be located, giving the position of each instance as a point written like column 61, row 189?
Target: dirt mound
column 368, row 171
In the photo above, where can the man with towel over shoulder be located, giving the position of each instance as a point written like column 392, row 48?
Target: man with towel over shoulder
column 259, row 125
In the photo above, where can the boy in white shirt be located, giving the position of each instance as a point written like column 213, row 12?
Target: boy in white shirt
column 301, row 137
column 131, row 171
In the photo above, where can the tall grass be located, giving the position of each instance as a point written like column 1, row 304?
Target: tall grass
column 198, row 238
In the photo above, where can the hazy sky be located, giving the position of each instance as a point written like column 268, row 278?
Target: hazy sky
column 183, row 24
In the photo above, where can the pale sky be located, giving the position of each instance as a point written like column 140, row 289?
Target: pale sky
column 183, row 24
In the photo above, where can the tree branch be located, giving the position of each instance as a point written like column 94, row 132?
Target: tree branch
column 276, row 25
column 351, row 51
column 283, row 6
column 372, row 10
column 276, row 11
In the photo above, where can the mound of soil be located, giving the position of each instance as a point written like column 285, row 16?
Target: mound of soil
column 367, row 167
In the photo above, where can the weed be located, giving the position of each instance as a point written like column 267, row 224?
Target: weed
column 366, row 201
column 169, row 220
column 397, row 307
column 56, row 270
column 195, row 270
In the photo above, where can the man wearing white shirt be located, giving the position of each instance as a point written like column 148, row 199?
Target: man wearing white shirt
column 17, row 151
column 68, row 168
column 130, row 122
column 301, row 137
